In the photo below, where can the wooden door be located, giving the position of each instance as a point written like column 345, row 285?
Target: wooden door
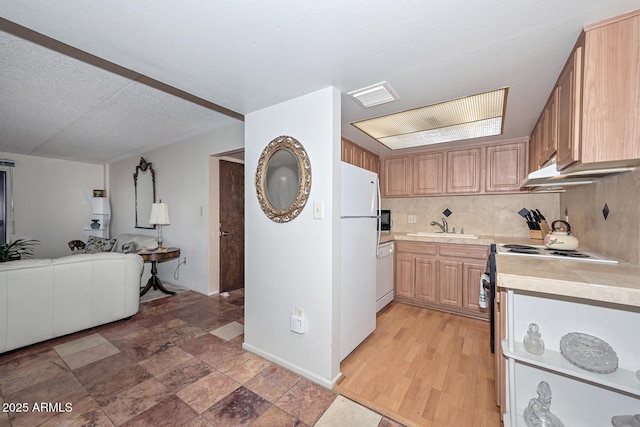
column 404, row 275
column 471, row 288
column 396, row 176
column 506, row 167
column 231, row 226
column 428, row 173
column 463, row 170
column 425, row 279
column 569, row 100
column 450, row 283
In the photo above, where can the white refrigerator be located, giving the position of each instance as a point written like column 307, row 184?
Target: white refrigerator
column 359, row 219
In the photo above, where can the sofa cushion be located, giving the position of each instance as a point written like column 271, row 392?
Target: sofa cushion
column 99, row 244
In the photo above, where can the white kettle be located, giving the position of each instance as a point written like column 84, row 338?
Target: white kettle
column 561, row 239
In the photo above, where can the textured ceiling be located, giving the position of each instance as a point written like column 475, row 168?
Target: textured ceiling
column 243, row 56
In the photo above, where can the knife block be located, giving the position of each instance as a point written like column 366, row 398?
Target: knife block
column 540, row 234
column 536, row 234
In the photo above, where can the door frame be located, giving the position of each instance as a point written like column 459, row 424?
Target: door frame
column 236, row 156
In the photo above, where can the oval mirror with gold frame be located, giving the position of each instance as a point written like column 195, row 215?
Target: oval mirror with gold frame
column 283, row 179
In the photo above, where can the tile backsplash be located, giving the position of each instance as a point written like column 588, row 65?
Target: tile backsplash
column 619, row 234
column 493, row 215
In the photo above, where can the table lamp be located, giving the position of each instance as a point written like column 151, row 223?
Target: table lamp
column 159, row 217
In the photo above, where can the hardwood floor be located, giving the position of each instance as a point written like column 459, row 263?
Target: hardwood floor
column 424, row 368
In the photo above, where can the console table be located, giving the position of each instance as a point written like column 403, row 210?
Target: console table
column 154, row 257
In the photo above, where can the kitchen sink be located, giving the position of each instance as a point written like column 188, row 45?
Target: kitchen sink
column 443, row 235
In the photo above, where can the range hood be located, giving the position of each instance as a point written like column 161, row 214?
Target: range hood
column 549, row 178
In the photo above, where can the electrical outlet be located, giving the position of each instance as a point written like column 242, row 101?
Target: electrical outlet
column 299, row 312
column 413, row 219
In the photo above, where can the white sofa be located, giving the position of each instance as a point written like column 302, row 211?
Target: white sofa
column 42, row 299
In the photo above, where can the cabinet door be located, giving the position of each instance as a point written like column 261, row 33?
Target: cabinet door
column 506, row 167
column 425, row 276
column 396, row 176
column 450, row 283
column 534, row 147
column 428, row 173
column 348, row 151
column 404, row 275
column 371, row 162
column 610, row 124
column 472, row 273
column 568, row 110
column 549, row 129
column 463, row 170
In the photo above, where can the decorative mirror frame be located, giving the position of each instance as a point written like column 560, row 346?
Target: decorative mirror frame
column 143, row 167
column 304, row 181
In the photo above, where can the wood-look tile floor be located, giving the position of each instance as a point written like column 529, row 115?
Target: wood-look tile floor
column 424, row 368
column 178, row 362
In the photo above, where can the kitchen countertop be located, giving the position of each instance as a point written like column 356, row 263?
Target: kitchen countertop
column 612, row 283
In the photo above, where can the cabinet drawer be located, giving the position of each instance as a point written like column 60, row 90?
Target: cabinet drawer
column 416, row 247
column 465, row 251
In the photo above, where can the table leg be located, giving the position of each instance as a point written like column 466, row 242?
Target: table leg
column 154, row 281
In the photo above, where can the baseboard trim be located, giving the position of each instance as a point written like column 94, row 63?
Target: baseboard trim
column 327, row 383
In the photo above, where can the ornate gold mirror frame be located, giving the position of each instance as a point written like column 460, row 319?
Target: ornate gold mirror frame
column 145, row 193
column 299, row 191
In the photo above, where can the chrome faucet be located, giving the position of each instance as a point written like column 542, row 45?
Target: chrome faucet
column 444, row 226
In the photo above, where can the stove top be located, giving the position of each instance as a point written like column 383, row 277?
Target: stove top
column 544, row 252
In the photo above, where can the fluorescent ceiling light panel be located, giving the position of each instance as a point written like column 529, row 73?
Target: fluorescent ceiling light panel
column 474, row 116
column 379, row 93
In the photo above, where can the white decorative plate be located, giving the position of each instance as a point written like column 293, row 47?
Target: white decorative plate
column 589, row 352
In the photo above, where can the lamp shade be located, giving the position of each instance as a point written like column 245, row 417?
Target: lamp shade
column 159, row 214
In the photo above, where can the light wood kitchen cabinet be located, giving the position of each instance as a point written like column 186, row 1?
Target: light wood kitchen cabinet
column 463, row 170
column 471, row 275
column 505, row 167
column 568, row 89
column 425, row 279
column 441, row 276
column 549, row 142
column 597, row 98
column 353, row 154
column 396, row 176
column 611, row 92
column 449, row 283
column 428, row 173
column 544, row 137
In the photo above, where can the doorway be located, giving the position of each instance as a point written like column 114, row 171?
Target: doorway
column 231, row 225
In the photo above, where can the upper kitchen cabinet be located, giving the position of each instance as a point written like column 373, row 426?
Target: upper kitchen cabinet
column 611, row 91
column 505, row 167
column 428, row 173
column 353, row 154
column 493, row 168
column 463, row 170
column 568, row 92
column 598, row 98
column 396, row 176
column 544, row 137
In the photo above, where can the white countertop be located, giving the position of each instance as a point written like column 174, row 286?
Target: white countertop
column 612, row 283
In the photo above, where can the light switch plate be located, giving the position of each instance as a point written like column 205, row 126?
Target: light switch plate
column 318, row 209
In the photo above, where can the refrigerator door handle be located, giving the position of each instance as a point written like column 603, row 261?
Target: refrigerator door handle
column 378, row 215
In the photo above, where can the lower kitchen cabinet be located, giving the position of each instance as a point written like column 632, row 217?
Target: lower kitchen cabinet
column 442, row 276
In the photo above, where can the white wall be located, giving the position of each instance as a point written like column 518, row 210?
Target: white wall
column 296, row 264
column 182, row 181
column 50, row 203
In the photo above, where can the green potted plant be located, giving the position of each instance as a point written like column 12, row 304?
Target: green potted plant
column 18, row 249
